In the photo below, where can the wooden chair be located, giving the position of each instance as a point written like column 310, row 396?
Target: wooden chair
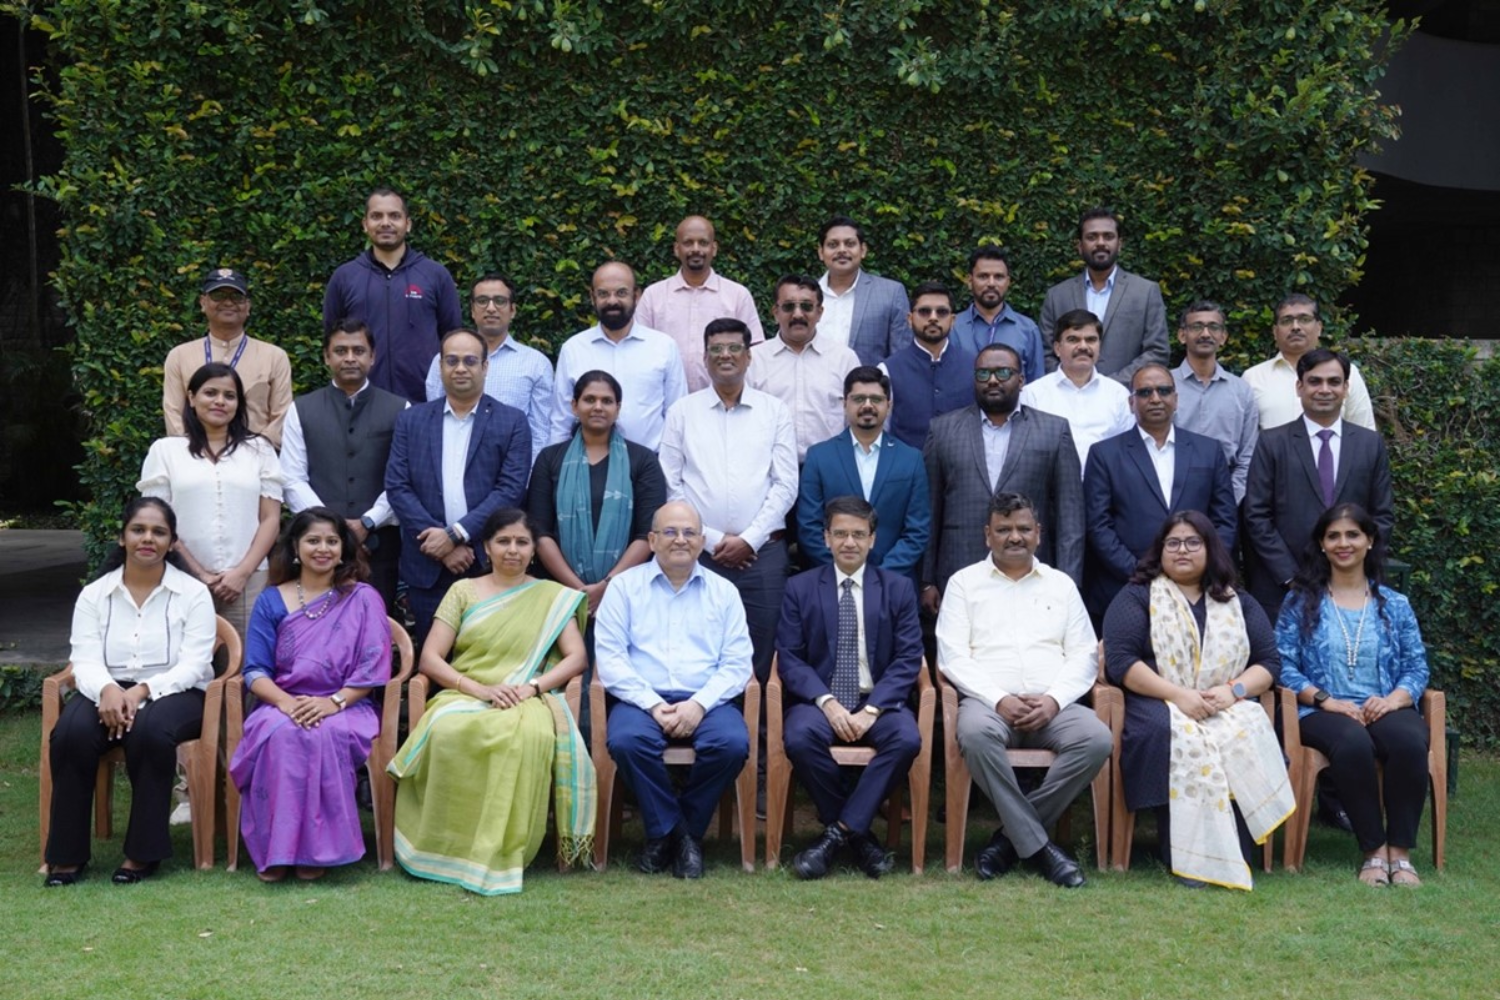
column 382, row 787
column 779, row 775
column 1107, row 706
column 611, row 807
column 1307, row 763
column 199, row 758
column 416, row 707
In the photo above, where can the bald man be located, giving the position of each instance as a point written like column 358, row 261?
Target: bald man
column 644, row 361
column 682, row 305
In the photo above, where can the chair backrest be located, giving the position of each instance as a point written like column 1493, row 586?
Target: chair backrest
column 226, row 638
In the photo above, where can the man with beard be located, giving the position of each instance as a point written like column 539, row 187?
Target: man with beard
column 800, row 368
column 933, row 374
column 1134, row 327
column 1298, row 330
column 866, row 462
column 999, row 445
column 1094, row 406
column 407, row 300
column 645, row 362
column 682, row 305
column 990, row 319
column 1211, row 401
column 865, row 312
column 517, row 375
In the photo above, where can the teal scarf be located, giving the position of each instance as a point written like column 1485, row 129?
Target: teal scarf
column 593, row 553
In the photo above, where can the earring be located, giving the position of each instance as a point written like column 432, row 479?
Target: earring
column 296, row 560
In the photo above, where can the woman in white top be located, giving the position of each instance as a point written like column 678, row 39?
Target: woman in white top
column 143, row 639
column 225, row 484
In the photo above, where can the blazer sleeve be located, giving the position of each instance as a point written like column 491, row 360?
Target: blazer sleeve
column 541, row 492
column 799, row 606
column 916, row 528
column 933, row 462
column 1051, row 309
column 1260, row 511
column 1069, row 532
column 400, row 487
column 649, row 487
column 810, row 499
column 898, row 327
column 512, row 437
column 1154, row 346
column 1223, row 510
column 894, row 685
column 1099, row 489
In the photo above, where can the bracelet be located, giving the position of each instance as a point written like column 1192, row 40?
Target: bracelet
column 539, row 691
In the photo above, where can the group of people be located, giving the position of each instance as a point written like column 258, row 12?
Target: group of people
column 696, row 500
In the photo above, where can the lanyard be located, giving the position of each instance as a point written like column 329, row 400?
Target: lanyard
column 208, row 350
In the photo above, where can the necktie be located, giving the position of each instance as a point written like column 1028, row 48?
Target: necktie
column 845, row 686
column 1325, row 466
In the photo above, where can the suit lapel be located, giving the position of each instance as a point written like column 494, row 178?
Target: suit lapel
column 861, row 300
column 873, row 596
column 1136, row 449
column 1122, row 282
column 975, row 436
column 882, row 469
column 481, row 418
column 828, row 600
column 1020, row 431
column 1351, row 450
column 1302, row 447
column 845, row 459
column 1181, row 462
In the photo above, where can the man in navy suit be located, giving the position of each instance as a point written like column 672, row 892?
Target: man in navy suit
column 861, row 310
column 864, row 461
column 453, row 461
column 1132, row 481
column 848, row 649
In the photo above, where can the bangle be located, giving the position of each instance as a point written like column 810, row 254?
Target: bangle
column 539, row 691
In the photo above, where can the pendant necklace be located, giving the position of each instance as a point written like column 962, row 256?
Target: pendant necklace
column 302, row 599
column 1351, row 644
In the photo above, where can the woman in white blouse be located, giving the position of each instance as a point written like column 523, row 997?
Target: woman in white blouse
column 225, row 484
column 143, row 639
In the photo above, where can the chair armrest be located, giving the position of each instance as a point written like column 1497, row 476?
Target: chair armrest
column 416, row 700
column 774, row 708
column 598, row 717
column 226, row 636
column 1434, row 707
column 573, row 695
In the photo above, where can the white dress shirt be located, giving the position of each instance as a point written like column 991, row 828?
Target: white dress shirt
column 648, row 367
column 997, row 636
column 1274, row 383
column 167, row 642
column 809, row 382
column 681, row 311
column 867, row 463
column 996, row 440
column 838, row 310
column 1098, row 409
column 517, row 375
column 1164, row 460
column 298, row 490
column 458, row 431
column 737, row 467
column 217, row 503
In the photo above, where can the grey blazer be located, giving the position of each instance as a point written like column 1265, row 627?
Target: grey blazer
column 1135, row 325
column 1283, row 500
column 879, row 327
column 1041, row 463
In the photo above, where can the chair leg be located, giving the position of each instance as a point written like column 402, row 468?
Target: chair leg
column 104, row 800
column 894, row 806
column 960, row 786
column 920, row 789
column 607, row 817
column 744, row 794
column 778, row 808
column 383, row 805
column 1103, row 802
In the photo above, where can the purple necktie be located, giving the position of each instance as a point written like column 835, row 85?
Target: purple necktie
column 1325, row 466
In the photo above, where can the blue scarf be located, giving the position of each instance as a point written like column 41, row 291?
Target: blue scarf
column 593, row 553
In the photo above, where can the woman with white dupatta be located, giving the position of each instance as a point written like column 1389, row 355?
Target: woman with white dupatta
column 1193, row 655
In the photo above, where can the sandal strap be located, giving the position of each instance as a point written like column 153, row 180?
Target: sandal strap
column 1380, row 863
column 1403, row 865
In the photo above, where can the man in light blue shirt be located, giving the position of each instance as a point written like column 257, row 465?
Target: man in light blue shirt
column 672, row 650
column 989, row 319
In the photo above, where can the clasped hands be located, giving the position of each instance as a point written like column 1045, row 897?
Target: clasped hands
column 228, row 586
column 1027, row 712
column 308, row 710
column 680, row 720
column 733, row 552
column 117, row 708
column 847, row 726
column 1374, row 708
column 1199, row 705
column 435, row 544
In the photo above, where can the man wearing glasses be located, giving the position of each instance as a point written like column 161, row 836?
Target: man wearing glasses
column 934, row 373
column 998, row 445
column 262, row 367
column 517, row 375
column 990, row 319
column 1134, row 480
column 1211, row 401
column 1298, row 330
column 803, row 370
column 1095, row 407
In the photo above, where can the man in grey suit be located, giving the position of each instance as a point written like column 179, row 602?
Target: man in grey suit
column 996, row 445
column 1135, row 318
column 860, row 310
column 1302, row 468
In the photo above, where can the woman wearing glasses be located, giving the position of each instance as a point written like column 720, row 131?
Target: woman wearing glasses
column 1193, row 654
column 498, row 743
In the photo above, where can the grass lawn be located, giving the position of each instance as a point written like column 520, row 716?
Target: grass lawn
column 359, row 933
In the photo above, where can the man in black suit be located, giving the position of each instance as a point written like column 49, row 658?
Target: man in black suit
column 842, row 690
column 1302, row 468
column 998, row 445
column 1135, row 317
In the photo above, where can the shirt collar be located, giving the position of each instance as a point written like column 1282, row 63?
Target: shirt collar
column 599, row 334
column 1313, row 427
column 858, row 576
column 1151, row 441
column 172, row 579
column 1109, row 283
column 780, row 346
column 357, row 392
column 680, row 282
column 657, row 573
column 997, row 574
column 448, row 410
column 875, row 445
column 1187, row 373
column 828, row 289
column 508, row 344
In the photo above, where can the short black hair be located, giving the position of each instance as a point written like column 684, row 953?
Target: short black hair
column 349, row 324
column 1077, row 319
column 834, row 223
column 1201, row 306
column 1297, row 299
column 443, row 343
column 593, row 375
column 510, row 286
column 1006, row 504
column 989, row 253
column 933, row 288
column 866, row 374
column 797, row 281
column 726, row 324
column 851, row 505
column 991, row 348
column 386, row 192
column 1099, row 212
column 1321, row 356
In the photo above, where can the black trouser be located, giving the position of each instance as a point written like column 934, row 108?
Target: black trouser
column 1398, row 740
column 385, row 561
column 79, row 741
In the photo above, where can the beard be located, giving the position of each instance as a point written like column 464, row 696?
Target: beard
column 997, row 406
column 616, row 317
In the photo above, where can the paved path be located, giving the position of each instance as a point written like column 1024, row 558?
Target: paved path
column 40, row 576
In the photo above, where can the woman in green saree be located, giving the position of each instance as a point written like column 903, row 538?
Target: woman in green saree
column 498, row 742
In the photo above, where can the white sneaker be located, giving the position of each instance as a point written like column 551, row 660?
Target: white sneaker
column 183, row 814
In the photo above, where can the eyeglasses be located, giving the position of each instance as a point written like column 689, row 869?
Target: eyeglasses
column 1200, row 327
column 985, row 374
column 941, row 312
column 842, row 535
column 467, row 360
column 227, row 295
column 867, row 400
column 1301, row 319
column 718, row 350
column 498, row 301
column 1147, row 391
column 672, row 534
column 1190, row 544
column 795, row 307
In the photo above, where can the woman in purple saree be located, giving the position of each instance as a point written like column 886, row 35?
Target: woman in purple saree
column 318, row 643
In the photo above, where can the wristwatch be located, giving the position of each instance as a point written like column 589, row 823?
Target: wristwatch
column 873, row 710
column 368, row 522
column 1238, row 690
column 1320, row 697
column 338, row 699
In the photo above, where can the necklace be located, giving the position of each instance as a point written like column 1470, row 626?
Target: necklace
column 1351, row 645
column 302, row 599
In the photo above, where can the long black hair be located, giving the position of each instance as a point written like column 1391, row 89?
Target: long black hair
column 239, row 424
column 1311, row 581
column 1218, row 569
column 116, row 557
column 352, row 567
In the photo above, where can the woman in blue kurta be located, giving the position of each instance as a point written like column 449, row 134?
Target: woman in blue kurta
column 1352, row 653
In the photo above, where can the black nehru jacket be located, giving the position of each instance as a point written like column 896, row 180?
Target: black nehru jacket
column 348, row 447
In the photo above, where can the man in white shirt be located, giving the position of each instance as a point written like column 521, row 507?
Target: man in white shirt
column 645, row 362
column 865, row 312
column 730, row 452
column 1298, row 330
column 1014, row 638
column 682, row 305
column 803, row 370
column 1095, row 407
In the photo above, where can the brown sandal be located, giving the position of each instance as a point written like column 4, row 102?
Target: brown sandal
column 1380, row 876
column 1403, row 873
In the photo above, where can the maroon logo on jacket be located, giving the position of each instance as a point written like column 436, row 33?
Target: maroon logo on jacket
column 414, row 291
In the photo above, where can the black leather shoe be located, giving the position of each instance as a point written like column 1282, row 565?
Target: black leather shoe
column 656, row 856
column 1331, row 813
column 54, row 880
column 817, row 859
column 869, row 855
column 133, row 876
column 1055, row 865
column 689, row 863
column 995, row 858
